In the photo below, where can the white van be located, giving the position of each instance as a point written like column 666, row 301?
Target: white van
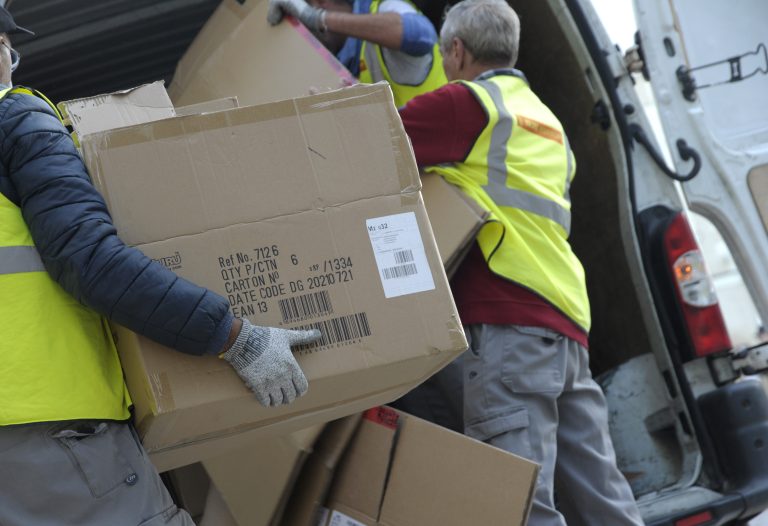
column 689, row 416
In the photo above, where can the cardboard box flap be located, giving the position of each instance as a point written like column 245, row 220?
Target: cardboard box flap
column 146, row 103
column 312, row 485
column 254, row 479
column 358, row 488
column 234, row 54
column 249, row 164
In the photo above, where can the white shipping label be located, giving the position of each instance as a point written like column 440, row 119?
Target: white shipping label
column 399, row 253
column 339, row 519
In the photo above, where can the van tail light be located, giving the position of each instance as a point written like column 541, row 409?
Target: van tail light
column 694, row 290
column 700, row 519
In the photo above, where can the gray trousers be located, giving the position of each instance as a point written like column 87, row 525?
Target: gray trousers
column 80, row 473
column 529, row 391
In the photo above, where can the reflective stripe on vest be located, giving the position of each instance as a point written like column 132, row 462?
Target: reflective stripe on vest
column 57, row 357
column 497, row 169
column 15, row 260
column 374, row 68
column 520, row 170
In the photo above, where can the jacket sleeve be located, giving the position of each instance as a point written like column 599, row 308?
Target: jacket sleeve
column 79, row 246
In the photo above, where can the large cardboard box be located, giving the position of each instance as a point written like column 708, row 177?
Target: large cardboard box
column 404, row 471
column 238, row 53
column 255, row 480
column 303, row 213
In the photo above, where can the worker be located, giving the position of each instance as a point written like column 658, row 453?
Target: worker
column 375, row 40
column 521, row 294
column 68, row 453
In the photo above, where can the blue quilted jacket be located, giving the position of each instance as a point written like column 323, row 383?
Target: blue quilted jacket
column 42, row 173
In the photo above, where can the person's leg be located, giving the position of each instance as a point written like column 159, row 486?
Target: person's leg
column 512, row 378
column 85, row 473
column 593, row 489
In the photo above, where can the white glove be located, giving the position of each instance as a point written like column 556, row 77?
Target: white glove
column 263, row 359
column 312, row 17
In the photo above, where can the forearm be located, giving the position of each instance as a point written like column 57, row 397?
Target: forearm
column 92, row 264
column 384, row 29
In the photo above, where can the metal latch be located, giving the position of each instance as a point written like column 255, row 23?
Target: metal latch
column 740, row 67
column 751, row 360
column 726, row 368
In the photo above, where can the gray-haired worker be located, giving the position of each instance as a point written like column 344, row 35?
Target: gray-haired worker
column 524, row 385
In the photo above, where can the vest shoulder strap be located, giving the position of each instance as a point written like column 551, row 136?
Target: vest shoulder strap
column 32, row 92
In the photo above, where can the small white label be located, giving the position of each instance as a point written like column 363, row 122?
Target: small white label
column 399, row 253
column 339, row 519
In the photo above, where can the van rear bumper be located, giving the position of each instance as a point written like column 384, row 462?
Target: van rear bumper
column 736, row 418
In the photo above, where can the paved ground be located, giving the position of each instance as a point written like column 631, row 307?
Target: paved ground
column 761, row 520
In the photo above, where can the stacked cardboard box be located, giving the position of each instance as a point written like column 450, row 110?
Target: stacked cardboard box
column 392, row 469
column 403, row 471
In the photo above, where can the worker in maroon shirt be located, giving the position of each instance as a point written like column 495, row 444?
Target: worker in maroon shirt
column 524, row 385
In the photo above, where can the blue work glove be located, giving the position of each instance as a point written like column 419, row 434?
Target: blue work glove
column 312, row 17
column 263, row 359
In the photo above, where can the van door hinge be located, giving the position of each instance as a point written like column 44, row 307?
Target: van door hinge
column 739, row 67
column 634, row 58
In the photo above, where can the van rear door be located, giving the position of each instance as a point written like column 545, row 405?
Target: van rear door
column 708, row 65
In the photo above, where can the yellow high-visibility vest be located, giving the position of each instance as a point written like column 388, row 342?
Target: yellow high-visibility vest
column 520, row 170
column 372, row 60
column 57, row 357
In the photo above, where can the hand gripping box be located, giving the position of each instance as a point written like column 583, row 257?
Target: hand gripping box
column 302, row 213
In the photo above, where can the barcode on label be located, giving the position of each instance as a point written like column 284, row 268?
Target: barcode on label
column 338, row 330
column 403, row 256
column 401, row 271
column 305, row 306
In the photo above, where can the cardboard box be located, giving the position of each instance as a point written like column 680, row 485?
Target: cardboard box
column 455, row 217
column 146, row 103
column 314, row 480
column 404, row 471
column 255, row 480
column 303, row 213
column 235, row 54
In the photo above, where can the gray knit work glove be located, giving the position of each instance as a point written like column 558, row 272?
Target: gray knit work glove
column 263, row 359
column 312, row 17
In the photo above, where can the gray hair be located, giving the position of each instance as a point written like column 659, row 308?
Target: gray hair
column 489, row 29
